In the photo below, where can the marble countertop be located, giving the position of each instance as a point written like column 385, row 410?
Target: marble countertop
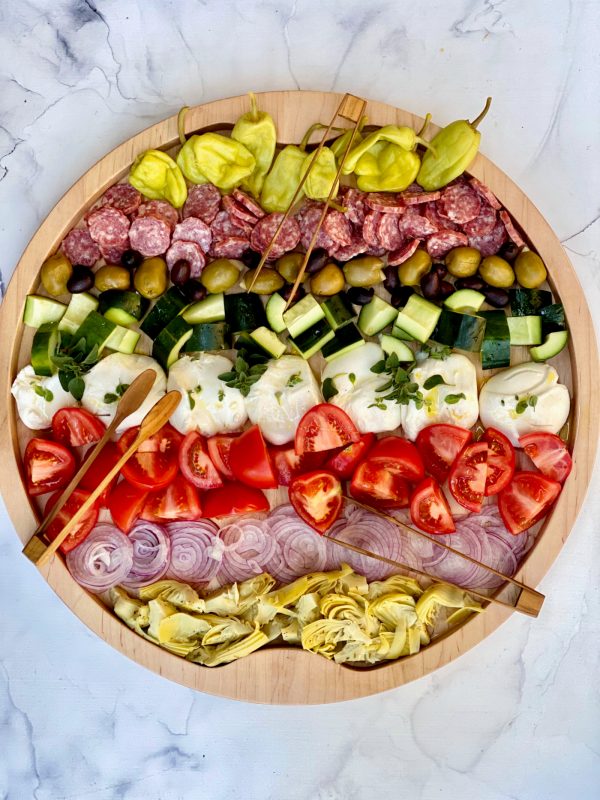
column 518, row 716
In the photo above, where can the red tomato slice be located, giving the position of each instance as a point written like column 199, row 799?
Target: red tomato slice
column 219, row 450
column 500, row 461
column 285, row 462
column 156, row 462
column 439, row 446
column 317, row 498
column 325, row 427
column 429, row 508
column 373, row 483
column 233, row 498
column 76, row 427
column 526, row 499
column 125, row 504
column 83, row 527
column 400, row 456
column 345, row 462
column 48, row 466
column 195, row 463
column 179, row 500
column 250, row 460
column 468, row 476
column 104, row 462
column 549, row 454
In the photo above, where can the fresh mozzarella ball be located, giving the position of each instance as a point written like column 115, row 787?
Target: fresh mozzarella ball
column 347, row 370
column 502, row 393
column 460, row 378
column 207, row 404
column 38, row 399
column 281, row 397
column 108, row 379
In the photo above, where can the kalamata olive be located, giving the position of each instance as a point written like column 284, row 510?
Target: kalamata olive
column 400, row 295
column 497, row 272
column 530, row 269
column 150, row 278
column 56, row 271
column 251, row 258
column 446, row 289
column 131, row 259
column 288, row 266
column 359, row 295
column 328, row 281
column 318, row 258
column 180, row 272
column 430, row 285
column 81, row 280
column 364, row 271
column 440, row 269
column 193, row 290
column 496, row 297
column 462, row 262
column 221, row 275
column 509, row 251
column 472, row 282
column 286, row 292
column 392, row 281
column 412, row 270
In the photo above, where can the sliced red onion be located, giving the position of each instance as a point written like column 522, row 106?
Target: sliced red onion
column 102, row 560
column 194, row 551
column 151, row 554
column 450, row 567
column 248, row 549
column 300, row 549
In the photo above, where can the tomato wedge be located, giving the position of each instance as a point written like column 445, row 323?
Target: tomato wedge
column 233, row 498
column 400, row 456
column 103, row 463
column 429, row 509
column 374, row 484
column 526, row 499
column 219, row 450
column 317, row 498
column 549, row 454
column 324, row 427
column 48, row 466
column 195, row 463
column 500, row 461
column 83, row 527
column 156, row 462
column 439, row 446
column 125, row 503
column 250, row 460
column 179, row 500
column 345, row 462
column 468, row 476
column 76, row 427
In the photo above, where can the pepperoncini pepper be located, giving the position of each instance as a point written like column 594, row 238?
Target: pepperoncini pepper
column 323, row 169
column 452, row 151
column 158, row 177
column 256, row 131
column 283, row 179
column 393, row 169
column 403, row 137
column 339, row 145
column 215, row 158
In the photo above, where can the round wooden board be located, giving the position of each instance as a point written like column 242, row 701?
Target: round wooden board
column 288, row 675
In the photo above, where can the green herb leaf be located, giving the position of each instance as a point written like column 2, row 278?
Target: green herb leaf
column 440, row 353
column 41, row 391
column 532, row 400
column 452, row 399
column 121, row 389
column 191, row 400
column 433, row 381
column 521, row 406
column 379, row 404
column 109, row 397
column 294, row 380
column 221, row 395
column 77, row 387
column 329, row 389
column 379, row 367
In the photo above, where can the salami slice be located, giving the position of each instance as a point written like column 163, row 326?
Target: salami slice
column 238, row 212
column 355, row 248
column 512, row 232
column 414, row 225
column 489, row 243
column 80, row 248
column 389, row 233
column 308, row 219
column 108, row 227
column 355, row 204
column 123, row 197
column 369, row 229
column 483, row 223
column 229, row 247
column 112, row 255
column 441, row 223
column 160, row 209
column 203, row 202
column 486, row 193
column 402, row 254
column 417, row 198
column 338, row 228
column 224, row 226
column 265, row 229
column 378, row 252
column 387, row 203
column 459, row 203
column 186, row 251
column 193, row 229
column 248, row 203
column 440, row 243
column 150, row 236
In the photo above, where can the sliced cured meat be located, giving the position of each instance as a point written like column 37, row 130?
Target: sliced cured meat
column 483, row 223
column 193, row 229
column 80, row 248
column 229, row 247
column 108, row 227
column 355, row 248
column 123, row 197
column 402, row 254
column 389, row 233
column 112, row 255
column 369, row 229
column 223, row 226
column 489, row 243
column 355, row 204
column 186, row 251
column 486, row 193
column 440, row 243
column 376, row 251
column 512, row 232
column 266, row 228
column 417, row 198
column 338, row 228
column 441, row 223
column 459, row 203
column 414, row 225
column 150, row 236
column 160, row 209
column 203, row 202
column 238, row 212
column 308, row 219
column 387, row 203
column 248, row 203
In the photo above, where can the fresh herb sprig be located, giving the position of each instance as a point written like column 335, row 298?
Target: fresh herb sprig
column 73, row 360
column 243, row 375
column 112, row 397
column 400, row 387
column 432, row 351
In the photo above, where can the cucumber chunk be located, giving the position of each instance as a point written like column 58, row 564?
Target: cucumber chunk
column 122, row 307
column 554, row 343
column 79, row 307
column 525, row 330
column 375, row 316
column 269, row 341
column 527, row 302
column 170, row 340
column 243, row 312
column 463, row 331
column 209, row 336
column 338, row 310
column 274, row 311
column 465, row 299
column 42, row 310
column 553, row 318
column 123, row 340
column 418, row 317
column 495, row 348
column 389, row 344
column 312, row 340
column 96, row 330
column 43, row 348
column 211, row 309
column 303, row 315
column 345, row 339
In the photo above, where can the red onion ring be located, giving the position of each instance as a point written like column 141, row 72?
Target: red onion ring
column 193, row 557
column 248, row 549
column 102, row 560
column 300, row 550
column 151, row 554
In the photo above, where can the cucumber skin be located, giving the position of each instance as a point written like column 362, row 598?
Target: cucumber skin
column 244, row 312
column 209, row 336
column 41, row 310
column 43, row 347
column 164, row 310
column 495, row 348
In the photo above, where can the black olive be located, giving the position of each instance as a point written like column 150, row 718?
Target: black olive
column 251, row 258
column 318, row 258
column 193, row 290
column 400, row 296
column 392, row 281
column 496, row 297
column 180, row 272
column 359, row 296
column 430, row 285
column 473, row 282
column 509, row 251
column 440, row 269
column 446, row 289
column 131, row 259
column 286, row 291
column 81, row 280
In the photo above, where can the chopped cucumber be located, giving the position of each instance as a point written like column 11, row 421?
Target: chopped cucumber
column 163, row 311
column 211, row 309
column 123, row 340
column 398, row 333
column 389, row 344
column 463, row 331
column 209, row 336
column 338, row 310
column 122, row 307
column 243, row 312
column 269, row 341
column 465, row 299
column 274, row 311
column 96, row 330
column 527, row 302
column 303, row 315
column 553, row 318
column 43, row 348
column 312, row 340
column 345, row 339
column 79, row 307
column 418, row 317
column 42, row 310
column 170, row 340
column 553, row 344
column 525, row 330
column 375, row 316
column 495, row 348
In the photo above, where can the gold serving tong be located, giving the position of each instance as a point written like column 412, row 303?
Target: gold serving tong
column 351, row 108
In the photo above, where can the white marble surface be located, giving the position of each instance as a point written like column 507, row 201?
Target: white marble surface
column 519, row 716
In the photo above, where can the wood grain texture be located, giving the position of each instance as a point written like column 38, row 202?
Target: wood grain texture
column 286, row 675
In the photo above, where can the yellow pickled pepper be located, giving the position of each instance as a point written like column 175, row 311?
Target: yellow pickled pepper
column 256, row 131
column 215, row 158
column 158, row 177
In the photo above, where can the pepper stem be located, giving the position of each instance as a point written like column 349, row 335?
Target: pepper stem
column 318, row 126
column 253, row 106
column 181, row 123
column 425, row 125
column 486, row 108
column 426, row 145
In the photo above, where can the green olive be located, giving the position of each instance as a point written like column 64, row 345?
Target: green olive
column 497, row 272
column 327, row 281
column 151, row 278
column 530, row 270
column 267, row 282
column 463, row 262
column 220, row 275
column 111, row 277
column 414, row 268
column 364, row 271
column 288, row 266
column 56, row 271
